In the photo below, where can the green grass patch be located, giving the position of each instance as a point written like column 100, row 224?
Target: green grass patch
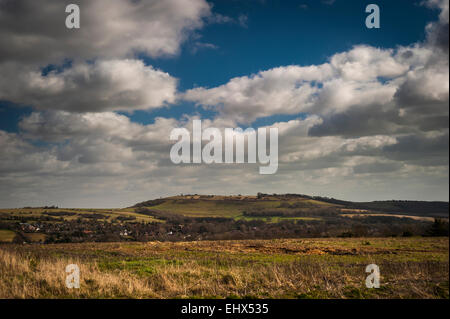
column 142, row 267
column 229, row 208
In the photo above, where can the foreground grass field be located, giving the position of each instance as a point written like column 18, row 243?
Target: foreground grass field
column 288, row 268
column 6, row 236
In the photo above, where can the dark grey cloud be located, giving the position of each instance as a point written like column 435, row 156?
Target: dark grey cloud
column 427, row 150
column 377, row 167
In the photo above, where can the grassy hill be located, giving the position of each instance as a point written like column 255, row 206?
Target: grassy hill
column 228, row 206
column 235, row 206
column 200, row 217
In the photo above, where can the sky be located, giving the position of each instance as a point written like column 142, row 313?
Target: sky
column 86, row 114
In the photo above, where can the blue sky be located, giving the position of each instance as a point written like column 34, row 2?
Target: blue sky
column 276, row 33
column 280, row 33
column 362, row 113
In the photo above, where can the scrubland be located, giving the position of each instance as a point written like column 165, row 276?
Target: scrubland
column 411, row 267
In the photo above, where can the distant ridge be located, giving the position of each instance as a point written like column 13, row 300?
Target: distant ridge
column 409, row 207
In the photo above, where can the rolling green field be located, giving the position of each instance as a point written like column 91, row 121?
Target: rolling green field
column 205, row 206
column 276, row 219
column 270, row 209
column 36, row 215
column 231, row 207
column 109, row 214
column 189, row 206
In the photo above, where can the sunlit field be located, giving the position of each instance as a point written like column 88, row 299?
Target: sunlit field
column 289, row 268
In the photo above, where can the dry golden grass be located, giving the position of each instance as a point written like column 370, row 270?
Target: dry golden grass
column 25, row 277
column 258, row 269
column 6, row 236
